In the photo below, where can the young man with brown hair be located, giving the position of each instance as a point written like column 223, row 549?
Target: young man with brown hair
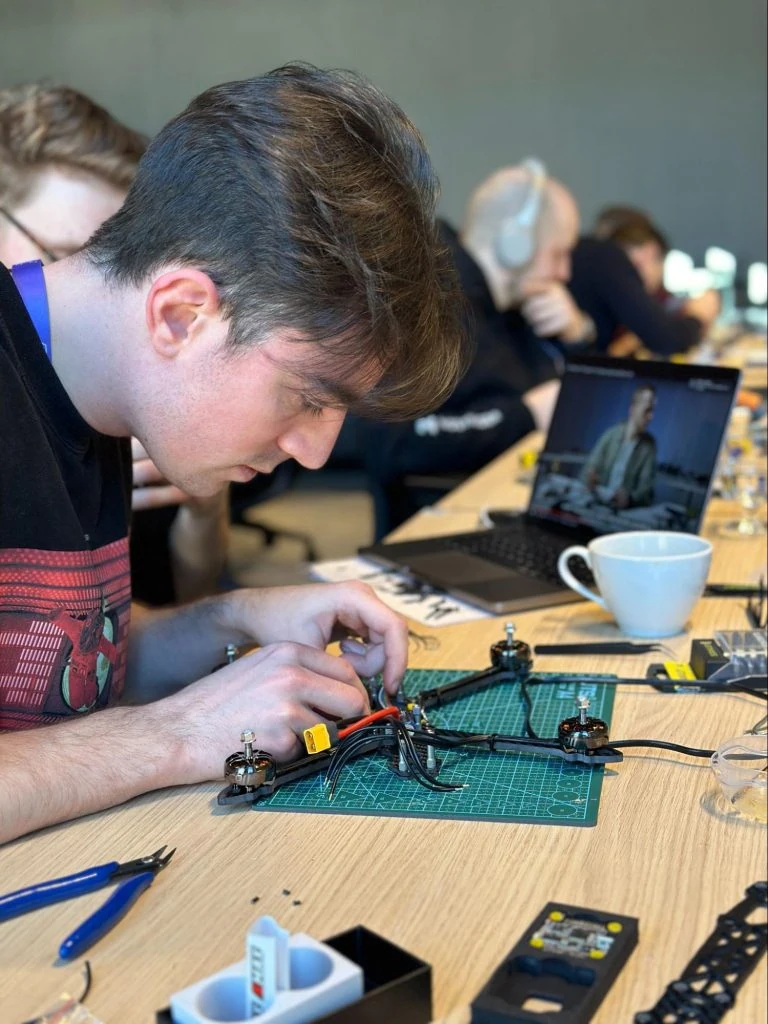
column 275, row 263
column 65, row 167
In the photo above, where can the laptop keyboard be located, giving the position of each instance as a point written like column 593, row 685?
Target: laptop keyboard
column 526, row 551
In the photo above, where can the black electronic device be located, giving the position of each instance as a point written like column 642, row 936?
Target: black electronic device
column 585, row 463
column 567, row 960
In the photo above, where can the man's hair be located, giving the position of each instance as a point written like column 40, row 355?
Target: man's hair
column 628, row 227
column 43, row 126
column 308, row 198
column 641, row 389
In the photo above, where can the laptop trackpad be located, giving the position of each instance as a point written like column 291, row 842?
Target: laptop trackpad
column 452, row 568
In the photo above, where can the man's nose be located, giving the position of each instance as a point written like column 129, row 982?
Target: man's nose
column 311, row 443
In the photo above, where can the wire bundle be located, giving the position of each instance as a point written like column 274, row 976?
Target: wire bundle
column 359, row 742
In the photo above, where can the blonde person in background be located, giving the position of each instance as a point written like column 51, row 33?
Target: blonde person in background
column 513, row 258
column 65, row 167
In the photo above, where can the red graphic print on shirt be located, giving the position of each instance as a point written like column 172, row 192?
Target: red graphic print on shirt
column 63, row 629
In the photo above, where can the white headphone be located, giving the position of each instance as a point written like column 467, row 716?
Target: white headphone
column 516, row 240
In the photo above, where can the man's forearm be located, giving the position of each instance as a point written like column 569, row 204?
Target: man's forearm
column 198, row 542
column 171, row 647
column 59, row 772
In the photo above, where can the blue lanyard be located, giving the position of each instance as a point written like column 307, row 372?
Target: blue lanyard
column 30, row 281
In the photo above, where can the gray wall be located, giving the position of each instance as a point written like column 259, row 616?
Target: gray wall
column 661, row 103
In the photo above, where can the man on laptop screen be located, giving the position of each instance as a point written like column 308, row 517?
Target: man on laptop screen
column 630, row 449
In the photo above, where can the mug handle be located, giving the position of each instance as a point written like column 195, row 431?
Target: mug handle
column 570, row 580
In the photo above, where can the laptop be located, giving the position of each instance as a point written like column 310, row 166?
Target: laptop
column 632, row 446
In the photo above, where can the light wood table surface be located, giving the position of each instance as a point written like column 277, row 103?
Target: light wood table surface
column 456, row 893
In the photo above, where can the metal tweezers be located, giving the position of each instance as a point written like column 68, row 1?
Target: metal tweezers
column 603, row 647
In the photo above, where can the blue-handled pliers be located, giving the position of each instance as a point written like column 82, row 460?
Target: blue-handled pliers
column 141, row 874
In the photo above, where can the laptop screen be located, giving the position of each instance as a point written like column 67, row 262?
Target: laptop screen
column 633, row 445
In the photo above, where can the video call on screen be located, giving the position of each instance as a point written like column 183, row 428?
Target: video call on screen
column 632, row 451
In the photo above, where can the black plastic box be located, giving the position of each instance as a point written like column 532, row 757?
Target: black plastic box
column 398, row 986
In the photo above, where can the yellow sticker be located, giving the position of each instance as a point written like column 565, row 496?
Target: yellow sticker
column 614, row 926
column 556, row 915
column 537, row 943
column 678, row 670
column 596, row 954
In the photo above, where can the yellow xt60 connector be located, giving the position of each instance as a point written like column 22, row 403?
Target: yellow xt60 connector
column 317, row 738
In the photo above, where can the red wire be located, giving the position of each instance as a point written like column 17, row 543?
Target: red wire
column 368, row 720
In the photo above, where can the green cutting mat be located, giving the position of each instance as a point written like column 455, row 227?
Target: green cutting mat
column 500, row 787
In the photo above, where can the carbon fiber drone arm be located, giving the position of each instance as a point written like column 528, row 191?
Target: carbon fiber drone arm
column 448, row 740
column 271, row 776
column 474, row 683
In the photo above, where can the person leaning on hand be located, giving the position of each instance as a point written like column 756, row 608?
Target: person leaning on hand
column 514, row 300
column 65, row 167
column 275, row 263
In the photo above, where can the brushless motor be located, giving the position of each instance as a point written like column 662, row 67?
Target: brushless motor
column 512, row 655
column 583, row 732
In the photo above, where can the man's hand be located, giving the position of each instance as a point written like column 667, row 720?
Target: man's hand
column 150, row 488
column 704, row 307
column 620, row 499
column 541, row 402
column 552, row 313
column 320, row 613
column 118, row 753
column 278, row 692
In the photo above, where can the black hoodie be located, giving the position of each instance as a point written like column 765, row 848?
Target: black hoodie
column 485, row 415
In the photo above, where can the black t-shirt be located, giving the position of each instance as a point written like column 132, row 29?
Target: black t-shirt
column 606, row 285
column 65, row 588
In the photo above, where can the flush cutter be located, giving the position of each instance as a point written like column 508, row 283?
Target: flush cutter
column 139, row 875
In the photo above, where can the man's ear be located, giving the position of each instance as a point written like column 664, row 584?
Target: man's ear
column 179, row 305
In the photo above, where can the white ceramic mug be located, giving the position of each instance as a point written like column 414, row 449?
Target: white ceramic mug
column 649, row 580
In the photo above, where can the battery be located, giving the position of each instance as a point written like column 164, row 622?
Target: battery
column 707, row 657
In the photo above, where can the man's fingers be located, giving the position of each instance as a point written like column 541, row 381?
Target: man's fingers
column 540, row 304
column 146, row 472
column 370, row 663
column 156, row 497
column 321, row 664
column 329, row 697
column 537, row 287
column 363, row 613
column 138, row 451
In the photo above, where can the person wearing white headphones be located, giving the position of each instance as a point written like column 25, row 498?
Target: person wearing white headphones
column 520, row 228
column 512, row 258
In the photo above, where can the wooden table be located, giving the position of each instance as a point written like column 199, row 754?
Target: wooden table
column 457, row 894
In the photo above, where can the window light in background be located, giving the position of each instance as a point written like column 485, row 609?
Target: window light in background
column 757, row 294
column 721, row 264
column 678, row 268
column 700, row 280
column 757, row 284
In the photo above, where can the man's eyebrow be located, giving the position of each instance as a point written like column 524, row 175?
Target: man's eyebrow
column 328, row 392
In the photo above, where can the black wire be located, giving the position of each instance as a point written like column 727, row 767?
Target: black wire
column 527, row 725
column 345, row 752
column 664, row 745
column 750, row 691
column 87, row 981
column 420, row 773
column 705, row 685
